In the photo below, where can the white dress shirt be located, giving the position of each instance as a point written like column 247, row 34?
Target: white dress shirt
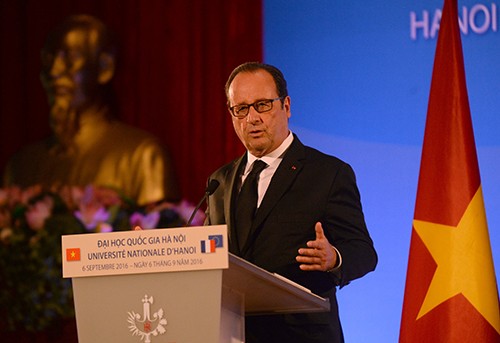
column 273, row 160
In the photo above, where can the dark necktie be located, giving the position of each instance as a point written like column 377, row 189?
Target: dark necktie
column 246, row 204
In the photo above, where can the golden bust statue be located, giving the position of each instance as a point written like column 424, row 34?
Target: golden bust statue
column 88, row 145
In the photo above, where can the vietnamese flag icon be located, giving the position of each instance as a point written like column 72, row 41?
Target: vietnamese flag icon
column 73, row 254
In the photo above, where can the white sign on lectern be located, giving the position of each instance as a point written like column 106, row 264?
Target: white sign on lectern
column 145, row 251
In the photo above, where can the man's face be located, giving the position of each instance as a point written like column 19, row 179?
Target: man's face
column 69, row 69
column 261, row 133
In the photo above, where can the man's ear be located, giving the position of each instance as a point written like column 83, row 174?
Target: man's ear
column 106, row 68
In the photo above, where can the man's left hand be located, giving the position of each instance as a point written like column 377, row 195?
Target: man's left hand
column 319, row 254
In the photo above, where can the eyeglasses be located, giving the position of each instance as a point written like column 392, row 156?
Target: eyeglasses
column 261, row 106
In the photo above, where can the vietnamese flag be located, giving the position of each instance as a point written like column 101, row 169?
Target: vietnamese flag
column 451, row 292
column 73, row 254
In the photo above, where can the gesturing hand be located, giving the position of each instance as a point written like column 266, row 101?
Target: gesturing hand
column 319, row 254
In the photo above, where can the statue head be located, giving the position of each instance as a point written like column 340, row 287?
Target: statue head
column 78, row 63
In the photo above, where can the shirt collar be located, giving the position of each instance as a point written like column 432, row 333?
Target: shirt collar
column 273, row 155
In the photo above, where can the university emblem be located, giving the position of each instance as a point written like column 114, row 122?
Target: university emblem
column 150, row 324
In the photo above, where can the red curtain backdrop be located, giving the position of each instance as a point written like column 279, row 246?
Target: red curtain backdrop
column 175, row 56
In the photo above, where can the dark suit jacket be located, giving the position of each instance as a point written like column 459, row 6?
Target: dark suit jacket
column 307, row 187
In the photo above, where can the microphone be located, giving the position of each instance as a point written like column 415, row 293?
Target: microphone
column 212, row 186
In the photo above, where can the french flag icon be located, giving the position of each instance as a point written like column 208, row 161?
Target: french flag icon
column 208, row 246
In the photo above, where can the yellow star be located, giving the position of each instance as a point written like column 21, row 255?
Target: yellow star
column 464, row 262
column 73, row 254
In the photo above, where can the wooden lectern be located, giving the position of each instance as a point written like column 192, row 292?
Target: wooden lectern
column 161, row 290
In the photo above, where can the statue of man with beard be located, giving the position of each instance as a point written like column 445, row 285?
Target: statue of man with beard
column 89, row 146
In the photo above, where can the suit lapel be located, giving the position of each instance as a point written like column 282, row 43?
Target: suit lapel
column 232, row 180
column 282, row 179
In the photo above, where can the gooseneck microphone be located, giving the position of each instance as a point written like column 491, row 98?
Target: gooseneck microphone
column 212, row 186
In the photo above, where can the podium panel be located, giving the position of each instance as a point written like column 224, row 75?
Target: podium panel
column 158, row 307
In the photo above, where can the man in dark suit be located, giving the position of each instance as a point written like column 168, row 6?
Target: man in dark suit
column 308, row 225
